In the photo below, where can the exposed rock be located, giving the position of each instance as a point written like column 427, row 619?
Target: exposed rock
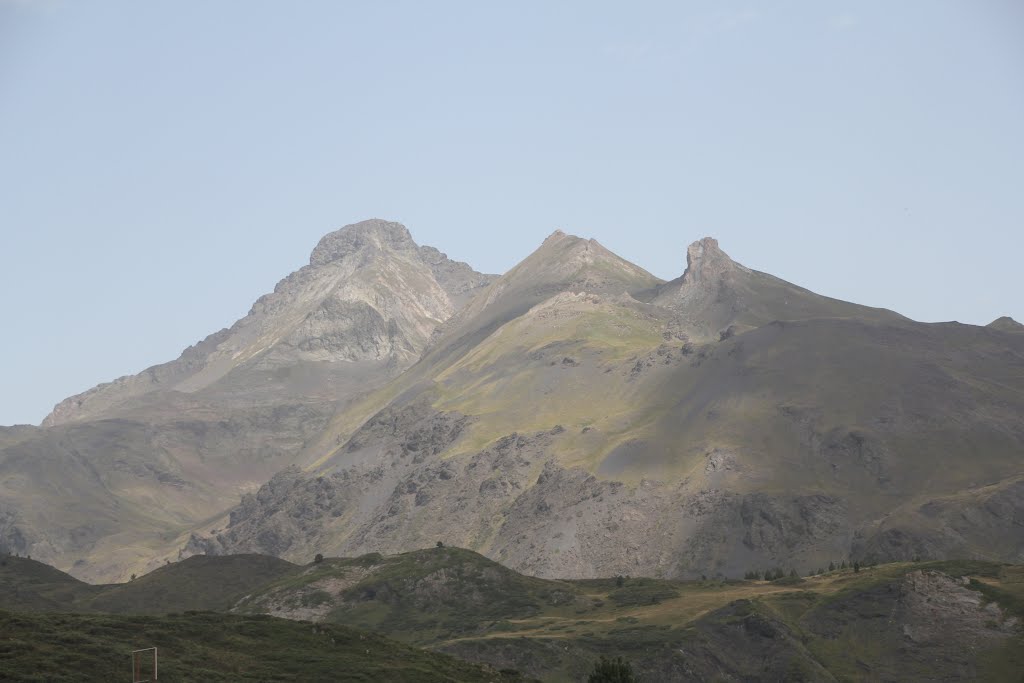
column 369, row 293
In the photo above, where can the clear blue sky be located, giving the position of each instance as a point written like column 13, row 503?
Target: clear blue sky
column 162, row 164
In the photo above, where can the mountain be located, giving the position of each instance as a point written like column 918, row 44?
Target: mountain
column 580, row 418
column 574, row 417
column 116, row 474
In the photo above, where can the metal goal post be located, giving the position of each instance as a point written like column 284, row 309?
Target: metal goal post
column 140, row 672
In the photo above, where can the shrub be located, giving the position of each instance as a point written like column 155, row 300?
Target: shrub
column 616, row 670
column 319, row 558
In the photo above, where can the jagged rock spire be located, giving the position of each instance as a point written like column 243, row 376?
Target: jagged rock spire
column 706, row 262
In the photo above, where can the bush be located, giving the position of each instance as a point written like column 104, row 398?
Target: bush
column 616, row 670
column 440, row 544
column 319, row 558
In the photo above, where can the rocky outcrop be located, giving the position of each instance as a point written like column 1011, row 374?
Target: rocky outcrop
column 926, row 622
column 718, row 298
column 393, row 489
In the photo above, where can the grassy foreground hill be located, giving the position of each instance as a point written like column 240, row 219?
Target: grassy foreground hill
column 901, row 621
column 207, row 646
column 197, row 583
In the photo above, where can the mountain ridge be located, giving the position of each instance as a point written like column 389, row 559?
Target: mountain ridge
column 750, row 420
column 575, row 416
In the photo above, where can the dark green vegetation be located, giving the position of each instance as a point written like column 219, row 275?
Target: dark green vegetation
column 615, row 670
column 904, row 621
column 206, row 646
column 197, row 583
column 421, row 596
column 912, row 621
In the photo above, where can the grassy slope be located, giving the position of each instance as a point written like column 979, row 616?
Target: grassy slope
column 420, row 596
column 556, row 629
column 30, row 586
column 937, row 405
column 205, row 646
column 460, row 602
column 200, row 582
column 563, row 263
column 708, row 624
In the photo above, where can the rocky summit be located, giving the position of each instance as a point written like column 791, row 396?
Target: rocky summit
column 574, row 417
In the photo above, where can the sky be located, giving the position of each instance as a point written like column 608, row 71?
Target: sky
column 163, row 164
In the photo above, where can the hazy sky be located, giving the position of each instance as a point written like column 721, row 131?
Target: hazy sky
column 162, row 164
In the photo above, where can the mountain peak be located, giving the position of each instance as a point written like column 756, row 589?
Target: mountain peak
column 374, row 232
column 706, row 262
column 1006, row 324
column 577, row 262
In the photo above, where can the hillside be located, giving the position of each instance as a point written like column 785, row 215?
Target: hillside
column 590, row 421
column 903, row 621
column 197, row 583
column 205, row 646
column 878, row 623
